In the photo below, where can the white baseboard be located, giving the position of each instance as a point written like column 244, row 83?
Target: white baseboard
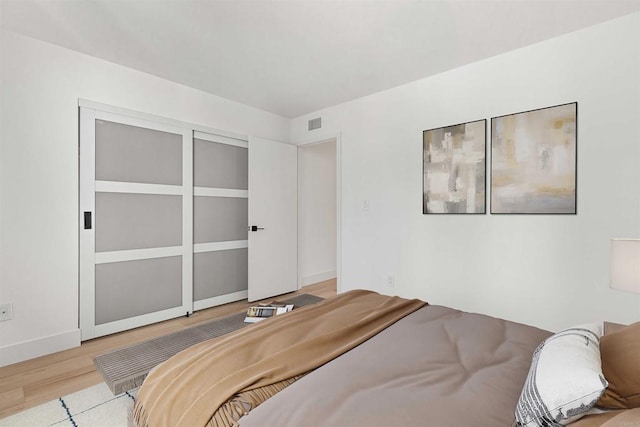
column 318, row 277
column 31, row 349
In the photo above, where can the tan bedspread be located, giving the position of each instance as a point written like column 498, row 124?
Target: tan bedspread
column 187, row 389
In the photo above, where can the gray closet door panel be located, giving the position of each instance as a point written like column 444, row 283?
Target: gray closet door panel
column 128, row 153
column 136, row 221
column 133, row 288
column 219, row 165
column 219, row 219
column 219, row 273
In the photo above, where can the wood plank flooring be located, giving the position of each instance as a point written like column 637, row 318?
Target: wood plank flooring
column 33, row 382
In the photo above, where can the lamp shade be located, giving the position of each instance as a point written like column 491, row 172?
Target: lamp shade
column 625, row 265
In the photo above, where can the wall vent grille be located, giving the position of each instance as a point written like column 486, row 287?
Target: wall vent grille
column 315, row 123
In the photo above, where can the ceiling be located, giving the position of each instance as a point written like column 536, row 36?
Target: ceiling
column 293, row 57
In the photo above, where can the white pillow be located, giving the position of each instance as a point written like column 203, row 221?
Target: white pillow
column 565, row 378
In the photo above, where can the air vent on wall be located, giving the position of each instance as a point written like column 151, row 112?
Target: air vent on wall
column 315, row 123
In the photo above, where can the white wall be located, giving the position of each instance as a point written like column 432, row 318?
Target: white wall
column 41, row 84
column 546, row 270
column 316, row 212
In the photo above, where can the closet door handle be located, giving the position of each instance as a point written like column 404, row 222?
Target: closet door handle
column 255, row 228
column 87, row 220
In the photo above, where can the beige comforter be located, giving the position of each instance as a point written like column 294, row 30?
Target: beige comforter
column 436, row 367
column 257, row 361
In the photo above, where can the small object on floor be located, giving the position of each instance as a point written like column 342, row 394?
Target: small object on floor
column 260, row 312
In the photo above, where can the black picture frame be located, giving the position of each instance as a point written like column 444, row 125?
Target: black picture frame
column 454, row 169
column 534, row 161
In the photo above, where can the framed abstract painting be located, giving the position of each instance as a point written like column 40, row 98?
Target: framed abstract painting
column 534, row 161
column 454, row 165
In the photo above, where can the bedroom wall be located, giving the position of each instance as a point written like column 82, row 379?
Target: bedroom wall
column 316, row 213
column 41, row 84
column 545, row 270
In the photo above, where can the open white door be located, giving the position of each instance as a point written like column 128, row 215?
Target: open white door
column 273, row 213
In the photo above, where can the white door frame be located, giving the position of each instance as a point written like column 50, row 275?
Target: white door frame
column 319, row 139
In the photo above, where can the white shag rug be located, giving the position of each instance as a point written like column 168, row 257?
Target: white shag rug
column 92, row 407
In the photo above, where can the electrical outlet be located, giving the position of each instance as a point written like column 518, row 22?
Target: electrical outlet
column 6, row 312
column 391, row 281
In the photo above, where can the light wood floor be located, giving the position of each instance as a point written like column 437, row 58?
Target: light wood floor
column 33, row 382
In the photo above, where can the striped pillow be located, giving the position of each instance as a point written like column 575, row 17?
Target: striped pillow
column 565, row 378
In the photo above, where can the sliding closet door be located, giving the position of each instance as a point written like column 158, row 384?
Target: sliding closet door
column 136, row 210
column 219, row 220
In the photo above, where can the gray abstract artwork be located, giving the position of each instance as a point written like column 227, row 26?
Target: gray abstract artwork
column 454, row 169
column 533, row 161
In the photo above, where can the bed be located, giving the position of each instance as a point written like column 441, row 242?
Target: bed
column 365, row 359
